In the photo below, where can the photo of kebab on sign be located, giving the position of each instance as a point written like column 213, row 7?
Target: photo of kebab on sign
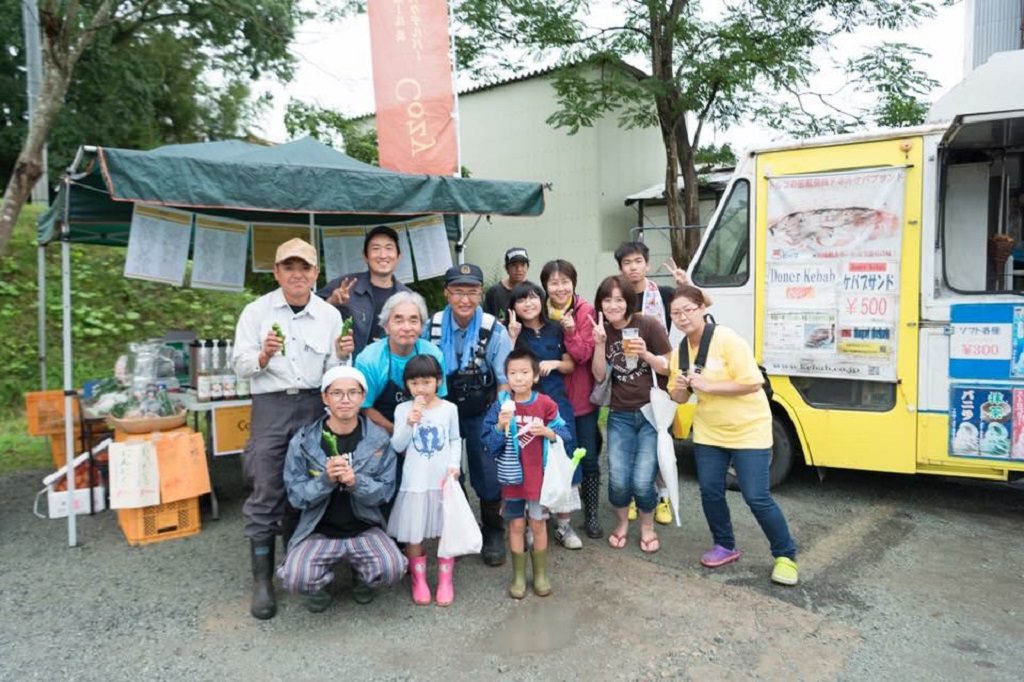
column 833, row 228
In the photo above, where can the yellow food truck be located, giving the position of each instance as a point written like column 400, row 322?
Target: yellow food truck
column 879, row 278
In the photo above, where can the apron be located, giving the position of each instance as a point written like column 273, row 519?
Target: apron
column 386, row 403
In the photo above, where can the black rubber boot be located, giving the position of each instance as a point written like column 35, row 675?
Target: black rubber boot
column 591, row 489
column 263, row 606
column 289, row 522
column 493, row 550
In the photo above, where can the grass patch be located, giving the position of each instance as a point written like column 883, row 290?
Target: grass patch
column 18, row 450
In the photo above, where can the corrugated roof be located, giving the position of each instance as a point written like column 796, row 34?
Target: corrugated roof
column 482, row 87
column 715, row 178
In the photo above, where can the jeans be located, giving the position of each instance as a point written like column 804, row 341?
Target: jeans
column 483, row 469
column 586, row 437
column 752, row 473
column 632, row 460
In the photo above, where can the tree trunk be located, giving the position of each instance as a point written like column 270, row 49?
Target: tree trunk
column 675, row 216
column 63, row 45
column 691, row 198
column 29, row 166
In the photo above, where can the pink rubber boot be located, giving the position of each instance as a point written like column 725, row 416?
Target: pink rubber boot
column 418, row 576
column 445, row 588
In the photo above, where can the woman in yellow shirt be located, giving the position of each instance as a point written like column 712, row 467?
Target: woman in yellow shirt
column 732, row 423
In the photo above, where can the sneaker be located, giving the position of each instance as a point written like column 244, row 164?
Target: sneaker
column 631, row 514
column 567, row 537
column 785, row 571
column 719, row 556
column 318, row 601
column 663, row 512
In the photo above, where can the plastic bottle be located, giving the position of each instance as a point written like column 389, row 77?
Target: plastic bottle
column 203, row 378
column 216, row 383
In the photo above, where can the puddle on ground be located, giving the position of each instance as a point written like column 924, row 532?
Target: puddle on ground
column 534, row 625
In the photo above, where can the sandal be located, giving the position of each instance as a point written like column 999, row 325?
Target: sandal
column 616, row 541
column 651, row 545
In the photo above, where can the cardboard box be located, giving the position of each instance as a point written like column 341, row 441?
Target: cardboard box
column 58, row 501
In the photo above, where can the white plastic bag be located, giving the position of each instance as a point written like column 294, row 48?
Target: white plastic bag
column 556, row 491
column 459, row 533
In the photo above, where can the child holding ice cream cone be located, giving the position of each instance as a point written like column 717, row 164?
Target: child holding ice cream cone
column 427, row 429
column 527, row 426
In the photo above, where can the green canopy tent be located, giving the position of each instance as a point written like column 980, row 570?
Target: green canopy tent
column 299, row 183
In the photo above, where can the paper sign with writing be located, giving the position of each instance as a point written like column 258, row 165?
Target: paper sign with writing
column 182, row 462
column 134, row 475
column 231, row 429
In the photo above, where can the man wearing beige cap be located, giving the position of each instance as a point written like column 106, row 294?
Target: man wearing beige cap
column 284, row 342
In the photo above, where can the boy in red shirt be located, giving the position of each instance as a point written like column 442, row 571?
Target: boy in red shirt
column 531, row 420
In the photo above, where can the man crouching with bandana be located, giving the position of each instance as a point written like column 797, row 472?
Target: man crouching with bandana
column 340, row 472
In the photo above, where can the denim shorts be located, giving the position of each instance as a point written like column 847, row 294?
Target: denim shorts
column 518, row 509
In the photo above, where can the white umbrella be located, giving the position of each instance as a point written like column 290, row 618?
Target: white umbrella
column 660, row 412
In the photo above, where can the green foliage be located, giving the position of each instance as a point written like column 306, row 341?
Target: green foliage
column 889, row 70
column 18, row 450
column 673, row 65
column 108, row 311
column 353, row 137
column 712, row 155
column 432, row 291
column 147, row 82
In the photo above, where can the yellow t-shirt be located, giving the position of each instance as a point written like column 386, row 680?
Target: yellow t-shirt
column 729, row 421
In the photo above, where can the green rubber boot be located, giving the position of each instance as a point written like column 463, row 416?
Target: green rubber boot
column 517, row 588
column 541, row 584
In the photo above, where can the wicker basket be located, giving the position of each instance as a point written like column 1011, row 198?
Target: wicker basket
column 147, row 424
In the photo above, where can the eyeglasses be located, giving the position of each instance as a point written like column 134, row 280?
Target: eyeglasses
column 464, row 295
column 685, row 311
column 352, row 394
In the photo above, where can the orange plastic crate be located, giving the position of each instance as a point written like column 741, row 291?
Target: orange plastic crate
column 57, row 449
column 44, row 411
column 161, row 522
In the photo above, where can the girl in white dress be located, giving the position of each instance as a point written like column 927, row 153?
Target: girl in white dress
column 427, row 430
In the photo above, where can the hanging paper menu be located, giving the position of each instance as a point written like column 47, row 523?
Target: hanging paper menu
column 158, row 244
column 218, row 256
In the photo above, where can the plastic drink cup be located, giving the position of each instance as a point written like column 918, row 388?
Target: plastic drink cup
column 628, row 334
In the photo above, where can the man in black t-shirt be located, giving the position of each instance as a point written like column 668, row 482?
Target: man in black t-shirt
column 340, row 472
column 362, row 295
column 517, row 264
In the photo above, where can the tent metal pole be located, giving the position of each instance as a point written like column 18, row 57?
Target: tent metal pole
column 41, row 283
column 69, row 396
column 460, row 244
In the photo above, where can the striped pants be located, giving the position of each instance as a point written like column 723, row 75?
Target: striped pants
column 372, row 555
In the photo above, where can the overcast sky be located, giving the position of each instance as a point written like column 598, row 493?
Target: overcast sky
column 333, row 68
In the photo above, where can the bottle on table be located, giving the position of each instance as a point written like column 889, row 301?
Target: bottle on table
column 216, row 382
column 203, row 378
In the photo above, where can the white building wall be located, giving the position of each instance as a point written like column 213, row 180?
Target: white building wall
column 504, row 136
column 992, row 26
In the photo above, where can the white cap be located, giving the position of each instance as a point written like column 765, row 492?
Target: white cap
column 341, row 372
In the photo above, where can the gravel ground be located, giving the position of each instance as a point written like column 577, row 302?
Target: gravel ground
column 901, row 578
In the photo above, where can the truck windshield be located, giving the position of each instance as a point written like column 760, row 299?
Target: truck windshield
column 725, row 259
column 982, row 209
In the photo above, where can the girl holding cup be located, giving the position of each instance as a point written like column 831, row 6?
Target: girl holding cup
column 632, row 440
